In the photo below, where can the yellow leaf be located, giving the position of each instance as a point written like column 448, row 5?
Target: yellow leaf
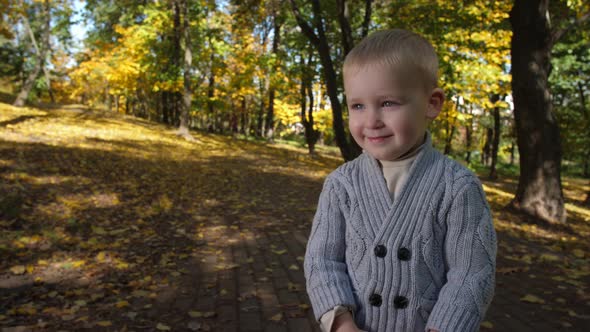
column 104, row 323
column 99, row 230
column 276, row 318
column 532, row 299
column 122, row 304
column 162, row 327
column 294, row 267
column 549, row 258
column 578, row 253
column 279, row 252
column 18, row 269
column 487, row 324
column 78, row 263
column 200, row 314
column 101, row 256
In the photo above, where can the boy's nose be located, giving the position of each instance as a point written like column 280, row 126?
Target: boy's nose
column 374, row 120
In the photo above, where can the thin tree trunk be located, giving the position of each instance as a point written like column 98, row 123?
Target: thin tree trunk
column 312, row 133
column 41, row 54
column 271, row 90
column 183, row 129
column 449, row 141
column 495, row 143
column 367, row 20
column 539, row 191
column 345, row 29
column 260, row 126
column 487, row 147
column 211, row 121
column 348, row 147
column 306, row 92
column 469, row 137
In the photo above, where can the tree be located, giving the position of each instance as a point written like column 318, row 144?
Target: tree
column 316, row 33
column 188, row 60
column 41, row 49
column 539, row 191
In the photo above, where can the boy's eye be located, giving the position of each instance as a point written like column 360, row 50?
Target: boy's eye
column 389, row 103
column 357, row 106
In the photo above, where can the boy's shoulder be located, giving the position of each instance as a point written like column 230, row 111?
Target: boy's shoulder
column 350, row 168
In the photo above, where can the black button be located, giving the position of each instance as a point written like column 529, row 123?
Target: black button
column 404, row 254
column 380, row 251
column 375, row 300
column 400, row 302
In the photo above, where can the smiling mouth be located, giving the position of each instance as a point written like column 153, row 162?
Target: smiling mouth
column 377, row 139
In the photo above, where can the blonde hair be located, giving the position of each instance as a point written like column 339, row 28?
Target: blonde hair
column 398, row 50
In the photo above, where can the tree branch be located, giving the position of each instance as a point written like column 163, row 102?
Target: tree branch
column 557, row 35
column 367, row 20
column 345, row 29
column 305, row 28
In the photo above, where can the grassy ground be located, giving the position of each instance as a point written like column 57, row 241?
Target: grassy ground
column 101, row 215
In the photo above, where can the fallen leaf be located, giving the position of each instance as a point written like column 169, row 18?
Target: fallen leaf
column 104, row 323
column 200, row 314
column 18, row 269
column 122, row 304
column 532, row 299
column 487, row 324
column 276, row 318
column 304, row 306
column 162, row 327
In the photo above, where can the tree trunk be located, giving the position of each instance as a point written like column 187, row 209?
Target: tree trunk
column 345, row 29
column 348, row 147
column 211, row 121
column 260, row 116
column 41, row 54
column 176, row 97
column 183, row 129
column 469, row 137
column 306, row 92
column 449, row 139
column 271, row 90
column 539, row 193
column 495, row 143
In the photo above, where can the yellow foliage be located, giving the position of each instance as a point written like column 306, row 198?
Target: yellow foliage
column 287, row 114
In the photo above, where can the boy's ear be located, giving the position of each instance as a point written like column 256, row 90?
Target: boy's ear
column 435, row 103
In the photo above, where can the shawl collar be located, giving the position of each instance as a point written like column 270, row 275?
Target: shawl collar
column 377, row 197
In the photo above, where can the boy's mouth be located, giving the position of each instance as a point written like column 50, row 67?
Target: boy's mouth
column 378, row 139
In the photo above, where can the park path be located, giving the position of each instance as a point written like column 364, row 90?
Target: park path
column 155, row 234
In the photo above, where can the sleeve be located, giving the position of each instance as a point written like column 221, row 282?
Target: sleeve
column 327, row 319
column 328, row 283
column 470, row 262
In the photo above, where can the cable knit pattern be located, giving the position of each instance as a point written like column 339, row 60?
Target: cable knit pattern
column 442, row 221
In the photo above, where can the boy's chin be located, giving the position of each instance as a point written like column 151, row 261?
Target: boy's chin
column 382, row 155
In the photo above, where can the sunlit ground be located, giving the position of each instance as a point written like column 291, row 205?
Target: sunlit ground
column 104, row 211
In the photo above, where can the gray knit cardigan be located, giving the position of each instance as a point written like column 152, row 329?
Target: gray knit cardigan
column 423, row 261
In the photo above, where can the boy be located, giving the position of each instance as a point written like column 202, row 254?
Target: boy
column 402, row 239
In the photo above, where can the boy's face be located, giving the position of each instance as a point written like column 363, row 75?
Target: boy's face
column 388, row 113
